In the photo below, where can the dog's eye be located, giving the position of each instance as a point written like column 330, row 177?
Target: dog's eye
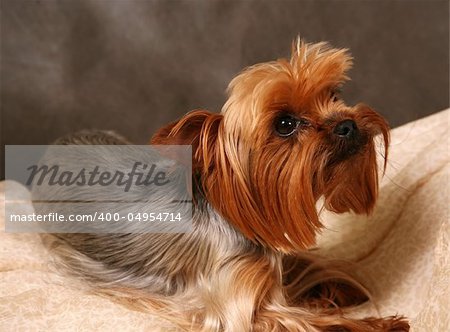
column 286, row 125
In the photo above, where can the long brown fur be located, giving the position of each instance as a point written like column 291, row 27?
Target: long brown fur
column 246, row 266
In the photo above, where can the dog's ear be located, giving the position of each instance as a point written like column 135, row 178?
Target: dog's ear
column 197, row 128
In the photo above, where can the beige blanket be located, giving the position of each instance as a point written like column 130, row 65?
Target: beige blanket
column 403, row 251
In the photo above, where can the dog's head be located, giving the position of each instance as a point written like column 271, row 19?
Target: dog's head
column 284, row 139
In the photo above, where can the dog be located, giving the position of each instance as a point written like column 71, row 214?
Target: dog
column 283, row 141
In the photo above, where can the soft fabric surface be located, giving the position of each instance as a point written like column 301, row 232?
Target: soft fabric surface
column 402, row 251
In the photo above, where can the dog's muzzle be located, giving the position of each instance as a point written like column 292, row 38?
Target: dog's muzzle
column 348, row 139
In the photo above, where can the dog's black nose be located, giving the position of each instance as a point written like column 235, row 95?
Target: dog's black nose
column 345, row 129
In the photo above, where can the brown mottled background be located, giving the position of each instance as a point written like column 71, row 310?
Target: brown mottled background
column 133, row 66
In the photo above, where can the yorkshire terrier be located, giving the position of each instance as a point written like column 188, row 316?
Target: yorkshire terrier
column 283, row 140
